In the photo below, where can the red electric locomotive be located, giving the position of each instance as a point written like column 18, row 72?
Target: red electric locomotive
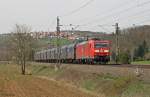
column 93, row 51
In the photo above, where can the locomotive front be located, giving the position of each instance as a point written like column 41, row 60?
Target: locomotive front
column 101, row 51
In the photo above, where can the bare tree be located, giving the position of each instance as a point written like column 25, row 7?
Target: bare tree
column 22, row 45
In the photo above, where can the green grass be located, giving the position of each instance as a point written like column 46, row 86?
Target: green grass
column 137, row 89
column 111, row 86
column 105, row 81
column 89, row 85
column 141, row 62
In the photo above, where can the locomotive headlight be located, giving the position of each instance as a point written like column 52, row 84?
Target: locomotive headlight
column 106, row 51
column 96, row 51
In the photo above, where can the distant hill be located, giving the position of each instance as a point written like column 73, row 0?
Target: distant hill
column 129, row 39
column 87, row 33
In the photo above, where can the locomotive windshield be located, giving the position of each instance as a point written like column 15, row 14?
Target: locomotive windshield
column 101, row 45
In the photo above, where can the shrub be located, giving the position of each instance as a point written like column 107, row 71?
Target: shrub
column 124, row 58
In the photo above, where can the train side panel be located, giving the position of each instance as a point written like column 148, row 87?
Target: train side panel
column 63, row 55
column 84, row 50
column 71, row 52
column 80, row 51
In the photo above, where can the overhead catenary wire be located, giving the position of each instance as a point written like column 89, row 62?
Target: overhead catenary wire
column 110, row 10
column 119, row 12
column 78, row 9
column 136, row 17
column 132, row 16
column 103, row 18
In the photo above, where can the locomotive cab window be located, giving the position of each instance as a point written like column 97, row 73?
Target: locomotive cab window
column 101, row 45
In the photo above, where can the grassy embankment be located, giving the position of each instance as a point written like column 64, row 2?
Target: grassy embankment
column 108, row 85
column 142, row 62
column 13, row 84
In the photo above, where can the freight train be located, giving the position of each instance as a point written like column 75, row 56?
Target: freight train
column 88, row 52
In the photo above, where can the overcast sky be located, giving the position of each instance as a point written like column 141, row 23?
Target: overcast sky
column 41, row 14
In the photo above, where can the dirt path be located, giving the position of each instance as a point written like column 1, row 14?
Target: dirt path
column 12, row 84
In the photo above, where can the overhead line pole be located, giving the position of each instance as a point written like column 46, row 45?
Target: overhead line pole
column 117, row 42
column 58, row 45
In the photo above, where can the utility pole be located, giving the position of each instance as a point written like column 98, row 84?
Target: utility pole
column 117, row 42
column 58, row 45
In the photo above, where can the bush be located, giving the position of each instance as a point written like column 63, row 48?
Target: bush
column 124, row 58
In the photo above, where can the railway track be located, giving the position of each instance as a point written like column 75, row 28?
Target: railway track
column 118, row 65
column 140, row 71
column 128, row 65
column 110, row 65
column 136, row 66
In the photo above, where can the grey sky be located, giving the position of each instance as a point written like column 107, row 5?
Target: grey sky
column 41, row 14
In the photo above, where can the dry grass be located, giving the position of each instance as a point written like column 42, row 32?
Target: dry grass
column 98, row 83
column 12, row 84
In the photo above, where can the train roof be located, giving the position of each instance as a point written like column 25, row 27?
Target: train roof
column 94, row 40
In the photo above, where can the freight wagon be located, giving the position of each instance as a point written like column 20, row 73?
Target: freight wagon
column 91, row 51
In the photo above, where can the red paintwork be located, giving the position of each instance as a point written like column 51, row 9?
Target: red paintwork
column 86, row 50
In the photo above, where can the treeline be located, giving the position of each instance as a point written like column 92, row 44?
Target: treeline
column 14, row 44
column 134, row 44
column 5, row 51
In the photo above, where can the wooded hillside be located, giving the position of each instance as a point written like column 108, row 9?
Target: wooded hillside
column 134, row 41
